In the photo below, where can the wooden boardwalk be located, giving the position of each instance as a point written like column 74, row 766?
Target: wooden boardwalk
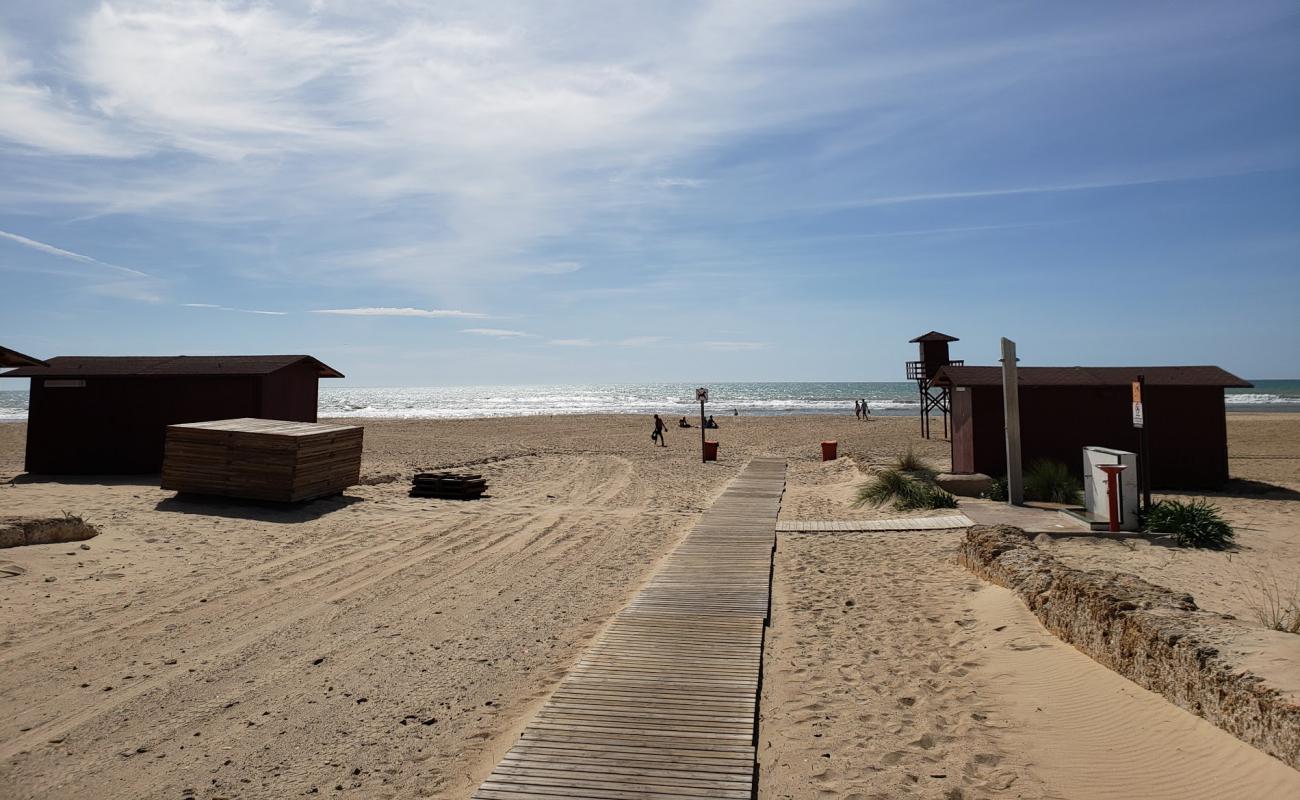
column 664, row 705
column 850, row 525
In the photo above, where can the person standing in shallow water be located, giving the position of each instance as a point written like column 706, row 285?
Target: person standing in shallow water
column 658, row 434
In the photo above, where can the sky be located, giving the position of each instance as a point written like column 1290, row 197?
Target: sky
column 428, row 194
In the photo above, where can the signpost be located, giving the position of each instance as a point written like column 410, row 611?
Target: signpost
column 702, row 394
column 1139, row 422
column 1011, row 413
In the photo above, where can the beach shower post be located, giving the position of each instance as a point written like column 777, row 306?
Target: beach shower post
column 1011, row 413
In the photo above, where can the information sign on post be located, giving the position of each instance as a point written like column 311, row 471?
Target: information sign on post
column 1144, row 460
column 702, row 394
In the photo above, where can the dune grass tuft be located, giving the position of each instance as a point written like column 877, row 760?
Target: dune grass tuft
column 907, row 492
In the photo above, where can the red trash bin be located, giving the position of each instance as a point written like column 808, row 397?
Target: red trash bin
column 828, row 450
column 710, row 451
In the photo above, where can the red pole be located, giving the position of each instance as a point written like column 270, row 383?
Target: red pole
column 1112, row 491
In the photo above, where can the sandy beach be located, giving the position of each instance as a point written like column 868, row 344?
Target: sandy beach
column 376, row 645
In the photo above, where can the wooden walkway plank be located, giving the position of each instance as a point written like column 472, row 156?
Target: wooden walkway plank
column 849, row 526
column 664, row 704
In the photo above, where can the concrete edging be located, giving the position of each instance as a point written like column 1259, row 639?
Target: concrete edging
column 1157, row 638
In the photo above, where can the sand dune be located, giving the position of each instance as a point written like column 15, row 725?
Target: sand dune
column 1089, row 733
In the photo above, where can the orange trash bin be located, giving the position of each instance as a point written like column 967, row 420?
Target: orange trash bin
column 710, row 451
column 829, row 450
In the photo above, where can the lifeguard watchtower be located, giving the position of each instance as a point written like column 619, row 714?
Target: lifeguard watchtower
column 934, row 354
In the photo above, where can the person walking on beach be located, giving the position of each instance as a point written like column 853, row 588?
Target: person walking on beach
column 857, row 409
column 658, row 434
column 866, row 412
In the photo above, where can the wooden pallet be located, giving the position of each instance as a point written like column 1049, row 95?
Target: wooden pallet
column 262, row 459
column 664, row 705
column 449, row 485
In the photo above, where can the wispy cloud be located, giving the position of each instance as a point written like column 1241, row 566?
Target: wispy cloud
column 679, row 183
column 572, row 342
column 434, row 313
column 554, row 268
column 639, row 341
column 499, row 333
column 68, row 254
column 1117, row 183
column 239, row 310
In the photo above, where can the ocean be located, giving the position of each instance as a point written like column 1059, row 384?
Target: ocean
column 670, row 399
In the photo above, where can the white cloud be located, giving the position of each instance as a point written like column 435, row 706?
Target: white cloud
column 499, row 333
column 400, row 312
column 501, row 129
column 68, row 254
column 37, row 116
column 572, row 342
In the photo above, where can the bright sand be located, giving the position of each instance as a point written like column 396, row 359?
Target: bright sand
column 394, row 646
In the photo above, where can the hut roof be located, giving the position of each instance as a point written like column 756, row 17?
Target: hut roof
column 13, row 358
column 157, row 366
column 1091, row 376
column 934, row 336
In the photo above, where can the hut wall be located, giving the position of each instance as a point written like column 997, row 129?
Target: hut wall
column 1187, row 433
column 963, row 430
column 288, row 394
column 118, row 425
column 933, row 355
column 1186, row 428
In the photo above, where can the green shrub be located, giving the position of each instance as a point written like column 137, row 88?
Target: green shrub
column 1194, row 524
column 890, row 485
column 998, row 491
column 904, row 491
column 932, row 496
column 1051, row 482
column 912, row 464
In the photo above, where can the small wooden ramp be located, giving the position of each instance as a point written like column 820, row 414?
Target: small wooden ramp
column 664, row 705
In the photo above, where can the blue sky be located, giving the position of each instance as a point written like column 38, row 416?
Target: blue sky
column 444, row 193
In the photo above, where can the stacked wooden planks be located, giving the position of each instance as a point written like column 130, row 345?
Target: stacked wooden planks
column 262, row 459
column 449, row 485
column 664, row 705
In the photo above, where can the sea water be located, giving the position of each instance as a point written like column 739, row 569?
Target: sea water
column 670, row 399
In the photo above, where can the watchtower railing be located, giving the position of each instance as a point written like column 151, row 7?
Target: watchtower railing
column 916, row 369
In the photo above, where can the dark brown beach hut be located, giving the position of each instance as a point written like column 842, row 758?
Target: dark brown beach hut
column 1064, row 409
column 109, row 415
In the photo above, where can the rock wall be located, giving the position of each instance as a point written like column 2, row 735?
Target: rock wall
column 19, row 531
column 1159, row 639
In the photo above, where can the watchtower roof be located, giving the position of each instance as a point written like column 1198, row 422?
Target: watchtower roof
column 934, row 336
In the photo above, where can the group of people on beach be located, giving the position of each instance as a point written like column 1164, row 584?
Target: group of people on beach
column 657, row 435
column 860, row 409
